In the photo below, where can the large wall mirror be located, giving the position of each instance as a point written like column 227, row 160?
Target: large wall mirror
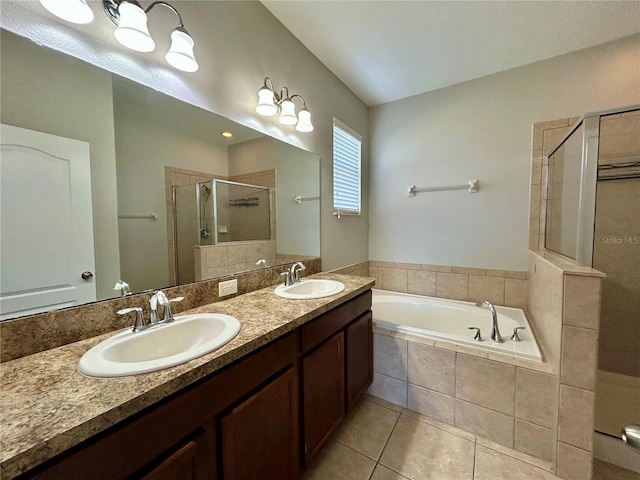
column 173, row 199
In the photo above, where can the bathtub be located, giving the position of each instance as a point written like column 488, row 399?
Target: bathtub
column 448, row 320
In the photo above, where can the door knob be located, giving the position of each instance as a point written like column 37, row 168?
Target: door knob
column 87, row 275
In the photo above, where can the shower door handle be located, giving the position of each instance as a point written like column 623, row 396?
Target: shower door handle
column 87, row 275
column 631, row 435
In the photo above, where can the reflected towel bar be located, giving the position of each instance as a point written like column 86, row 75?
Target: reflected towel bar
column 299, row 199
column 471, row 186
column 153, row 216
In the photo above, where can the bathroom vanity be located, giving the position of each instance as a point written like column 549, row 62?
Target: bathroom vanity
column 260, row 407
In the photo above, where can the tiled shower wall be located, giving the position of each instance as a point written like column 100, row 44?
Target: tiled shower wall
column 213, row 261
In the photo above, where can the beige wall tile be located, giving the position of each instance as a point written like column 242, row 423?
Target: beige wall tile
column 237, row 254
column 486, row 288
column 380, row 263
column 516, row 293
column 432, row 404
column 436, row 268
column 216, row 256
column 441, row 425
column 394, row 279
column 389, row 389
column 534, row 440
column 390, row 356
column 486, row 423
column 575, row 418
column 376, row 272
column 573, row 463
column 551, row 137
column 486, row 383
column 546, row 304
column 579, row 349
column 409, row 266
column 470, row 271
column 536, row 169
column 522, row 275
column 536, row 397
column 432, row 368
column 421, row 282
column 454, row 286
column 582, row 301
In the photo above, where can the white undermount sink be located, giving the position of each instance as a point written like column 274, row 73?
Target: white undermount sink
column 161, row 346
column 310, row 288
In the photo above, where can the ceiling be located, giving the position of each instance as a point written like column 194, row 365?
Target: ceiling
column 388, row 50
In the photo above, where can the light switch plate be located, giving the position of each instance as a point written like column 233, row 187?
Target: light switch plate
column 227, row 288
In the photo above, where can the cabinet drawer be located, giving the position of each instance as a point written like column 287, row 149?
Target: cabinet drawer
column 318, row 330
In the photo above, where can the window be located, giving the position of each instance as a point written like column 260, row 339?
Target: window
column 347, row 173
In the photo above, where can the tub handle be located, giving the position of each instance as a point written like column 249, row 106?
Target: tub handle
column 515, row 336
column 477, row 337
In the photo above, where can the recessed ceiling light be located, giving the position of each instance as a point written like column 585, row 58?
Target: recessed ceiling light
column 226, row 134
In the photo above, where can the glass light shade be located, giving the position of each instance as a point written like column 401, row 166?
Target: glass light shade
column 132, row 31
column 288, row 113
column 265, row 105
column 304, row 121
column 180, row 55
column 75, row 11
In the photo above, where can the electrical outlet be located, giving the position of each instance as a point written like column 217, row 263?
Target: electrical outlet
column 227, row 288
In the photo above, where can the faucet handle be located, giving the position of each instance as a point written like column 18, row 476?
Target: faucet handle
column 166, row 303
column 287, row 278
column 515, row 336
column 140, row 323
column 477, row 337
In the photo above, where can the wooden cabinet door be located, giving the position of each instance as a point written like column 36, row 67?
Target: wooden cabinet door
column 359, row 358
column 260, row 437
column 323, row 392
column 181, row 465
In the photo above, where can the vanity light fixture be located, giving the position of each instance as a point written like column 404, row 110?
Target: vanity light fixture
column 131, row 30
column 74, row 11
column 269, row 103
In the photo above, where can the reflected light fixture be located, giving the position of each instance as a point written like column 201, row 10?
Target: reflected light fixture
column 269, row 103
column 226, row 134
column 131, row 31
column 74, row 11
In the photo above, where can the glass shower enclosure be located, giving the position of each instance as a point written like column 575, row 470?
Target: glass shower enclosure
column 216, row 212
column 593, row 217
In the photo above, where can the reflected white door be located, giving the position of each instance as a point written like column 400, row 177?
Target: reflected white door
column 46, row 223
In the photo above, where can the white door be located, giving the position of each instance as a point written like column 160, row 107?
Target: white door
column 46, row 224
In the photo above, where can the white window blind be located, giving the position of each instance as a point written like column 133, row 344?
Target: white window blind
column 347, row 177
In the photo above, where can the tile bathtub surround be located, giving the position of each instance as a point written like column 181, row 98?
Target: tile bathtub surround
column 488, row 398
column 36, row 333
column 502, row 287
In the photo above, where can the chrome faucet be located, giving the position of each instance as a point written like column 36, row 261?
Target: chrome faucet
column 160, row 298
column 123, row 287
column 293, row 276
column 296, row 268
column 495, row 331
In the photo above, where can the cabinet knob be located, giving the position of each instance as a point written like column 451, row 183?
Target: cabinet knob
column 87, row 275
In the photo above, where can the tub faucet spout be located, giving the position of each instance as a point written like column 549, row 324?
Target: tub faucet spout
column 495, row 331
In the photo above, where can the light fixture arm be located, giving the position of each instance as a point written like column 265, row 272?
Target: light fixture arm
column 170, row 7
column 111, row 9
column 304, row 104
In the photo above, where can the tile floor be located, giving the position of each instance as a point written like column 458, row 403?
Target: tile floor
column 382, row 441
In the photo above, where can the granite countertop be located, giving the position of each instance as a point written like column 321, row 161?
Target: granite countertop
column 47, row 406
